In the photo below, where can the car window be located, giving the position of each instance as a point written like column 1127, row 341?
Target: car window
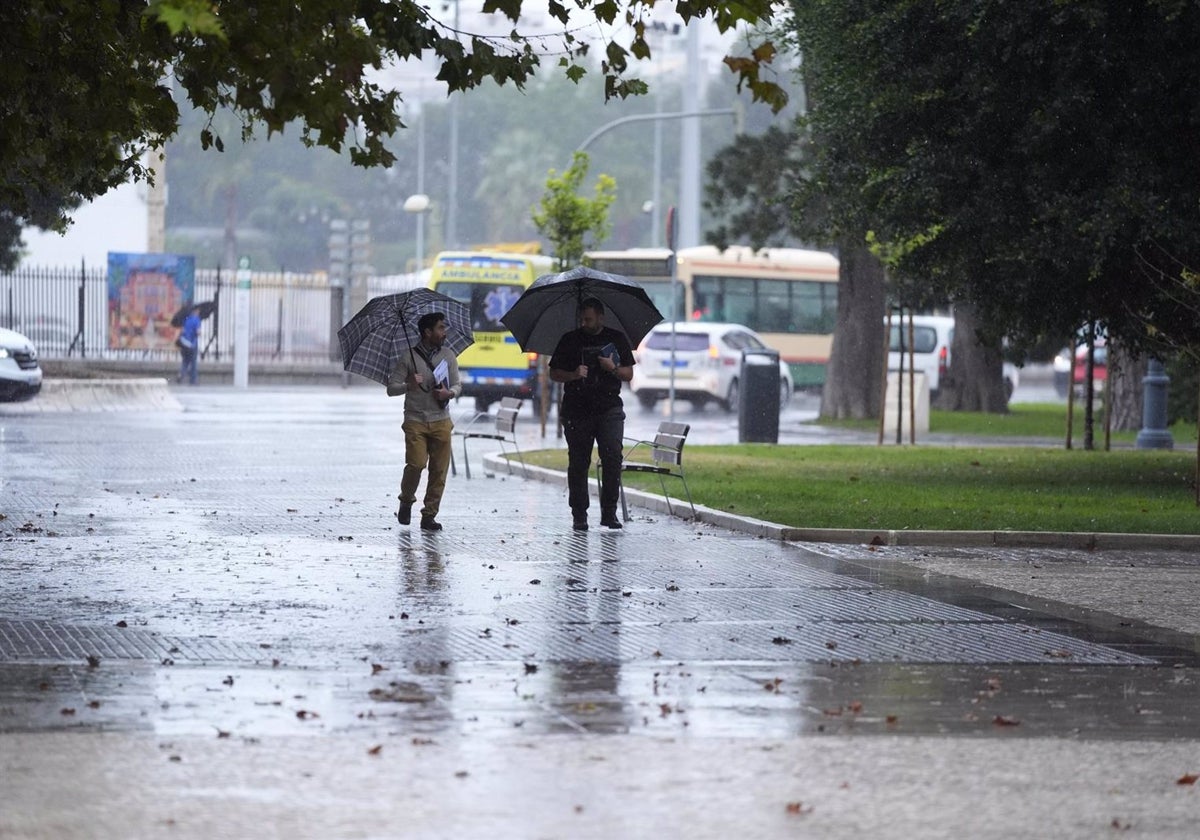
column 924, row 339
column 734, row 340
column 684, row 341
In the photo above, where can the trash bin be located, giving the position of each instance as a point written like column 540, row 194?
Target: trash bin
column 758, row 404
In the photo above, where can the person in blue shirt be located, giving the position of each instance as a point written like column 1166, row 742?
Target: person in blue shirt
column 189, row 346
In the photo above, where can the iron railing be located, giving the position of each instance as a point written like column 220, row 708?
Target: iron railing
column 293, row 317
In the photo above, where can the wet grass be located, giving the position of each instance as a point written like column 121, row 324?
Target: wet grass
column 1032, row 420
column 940, row 488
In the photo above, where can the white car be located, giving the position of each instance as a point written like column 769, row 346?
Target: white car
column 931, row 338
column 707, row 364
column 20, row 373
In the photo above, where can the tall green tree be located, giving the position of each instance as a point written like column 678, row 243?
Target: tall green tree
column 1033, row 166
column 86, row 96
column 572, row 222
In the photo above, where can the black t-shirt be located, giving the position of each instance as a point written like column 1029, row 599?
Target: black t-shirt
column 601, row 390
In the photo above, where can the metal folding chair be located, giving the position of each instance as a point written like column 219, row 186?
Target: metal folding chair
column 662, row 456
column 503, row 431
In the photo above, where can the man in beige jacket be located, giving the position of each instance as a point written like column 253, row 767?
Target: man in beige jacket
column 428, row 379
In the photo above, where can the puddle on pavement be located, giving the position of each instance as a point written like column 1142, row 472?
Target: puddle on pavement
column 496, row 699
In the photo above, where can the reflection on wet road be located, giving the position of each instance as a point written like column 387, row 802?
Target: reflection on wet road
column 236, row 569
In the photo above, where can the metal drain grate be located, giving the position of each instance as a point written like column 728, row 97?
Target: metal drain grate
column 44, row 641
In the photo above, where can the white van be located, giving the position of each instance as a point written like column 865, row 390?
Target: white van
column 931, row 338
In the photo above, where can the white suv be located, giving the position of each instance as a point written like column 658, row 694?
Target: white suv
column 20, row 374
column 931, row 338
column 708, row 363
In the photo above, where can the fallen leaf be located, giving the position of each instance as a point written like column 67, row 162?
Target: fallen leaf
column 1002, row 720
column 93, row 661
column 376, row 668
column 375, row 750
column 1187, row 779
column 530, row 668
column 798, row 808
column 304, row 714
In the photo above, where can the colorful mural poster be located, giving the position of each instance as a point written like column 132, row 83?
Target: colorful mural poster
column 144, row 292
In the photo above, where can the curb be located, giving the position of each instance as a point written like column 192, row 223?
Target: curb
column 1083, row 541
column 87, row 395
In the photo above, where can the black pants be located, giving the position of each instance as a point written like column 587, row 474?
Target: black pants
column 606, row 432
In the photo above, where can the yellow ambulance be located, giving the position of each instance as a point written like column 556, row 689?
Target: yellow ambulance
column 490, row 283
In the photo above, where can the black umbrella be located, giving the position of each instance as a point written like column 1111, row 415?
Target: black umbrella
column 549, row 308
column 206, row 308
column 374, row 339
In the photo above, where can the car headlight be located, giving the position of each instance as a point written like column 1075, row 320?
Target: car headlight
column 4, row 354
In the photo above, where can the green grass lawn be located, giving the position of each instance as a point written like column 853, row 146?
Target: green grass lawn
column 1037, row 420
column 1018, row 488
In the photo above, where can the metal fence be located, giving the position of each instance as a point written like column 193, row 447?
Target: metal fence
column 293, row 317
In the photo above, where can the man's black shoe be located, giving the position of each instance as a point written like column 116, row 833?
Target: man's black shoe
column 609, row 520
column 428, row 523
column 405, row 513
column 580, row 523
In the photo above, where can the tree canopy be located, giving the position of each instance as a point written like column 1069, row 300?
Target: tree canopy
column 87, row 91
column 568, row 219
column 1031, row 161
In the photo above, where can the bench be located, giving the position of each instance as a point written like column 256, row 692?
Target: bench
column 662, row 456
column 504, row 430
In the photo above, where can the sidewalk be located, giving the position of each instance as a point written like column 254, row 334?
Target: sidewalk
column 277, row 657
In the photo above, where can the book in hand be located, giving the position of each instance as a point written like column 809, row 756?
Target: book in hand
column 441, row 379
column 610, row 351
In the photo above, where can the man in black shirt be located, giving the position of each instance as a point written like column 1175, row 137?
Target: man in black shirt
column 592, row 362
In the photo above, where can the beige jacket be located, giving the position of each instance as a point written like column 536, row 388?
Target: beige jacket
column 419, row 403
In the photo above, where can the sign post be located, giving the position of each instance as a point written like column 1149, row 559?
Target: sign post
column 672, row 236
column 241, row 326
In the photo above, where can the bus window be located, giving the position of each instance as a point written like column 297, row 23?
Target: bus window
column 774, row 308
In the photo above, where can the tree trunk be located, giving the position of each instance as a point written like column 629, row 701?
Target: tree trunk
column 975, row 380
column 1124, row 388
column 854, row 377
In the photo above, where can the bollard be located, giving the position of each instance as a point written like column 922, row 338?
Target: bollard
column 1154, row 433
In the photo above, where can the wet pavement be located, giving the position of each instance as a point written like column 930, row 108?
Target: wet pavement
column 211, row 625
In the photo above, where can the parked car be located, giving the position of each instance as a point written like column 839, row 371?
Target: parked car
column 305, row 344
column 51, row 335
column 20, row 373
column 1062, row 367
column 932, row 336
column 708, row 363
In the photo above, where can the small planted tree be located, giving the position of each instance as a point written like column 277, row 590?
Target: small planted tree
column 570, row 221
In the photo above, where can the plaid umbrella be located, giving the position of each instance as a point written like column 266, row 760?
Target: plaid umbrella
column 549, row 308
column 374, row 339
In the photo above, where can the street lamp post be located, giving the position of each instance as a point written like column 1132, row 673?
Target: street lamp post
column 419, row 205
